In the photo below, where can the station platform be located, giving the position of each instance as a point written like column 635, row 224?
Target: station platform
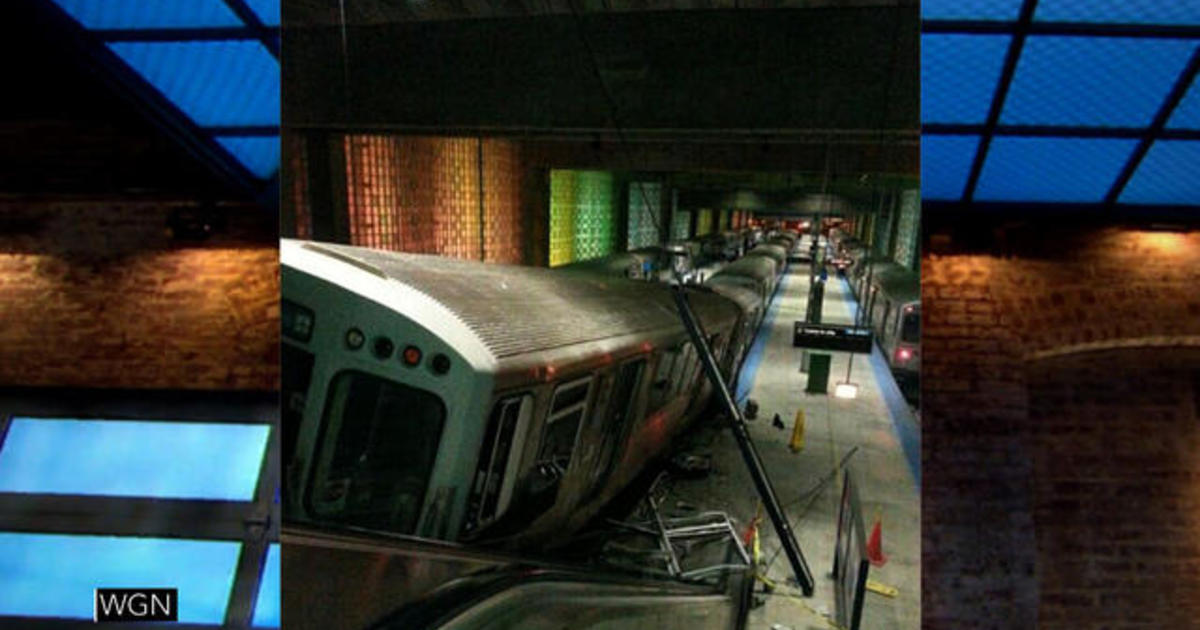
column 877, row 425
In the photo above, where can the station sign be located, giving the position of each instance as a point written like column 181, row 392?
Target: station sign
column 832, row 337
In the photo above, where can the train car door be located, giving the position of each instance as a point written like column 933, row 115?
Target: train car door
column 615, row 430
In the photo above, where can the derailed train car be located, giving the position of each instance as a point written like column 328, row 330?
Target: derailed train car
column 462, row 401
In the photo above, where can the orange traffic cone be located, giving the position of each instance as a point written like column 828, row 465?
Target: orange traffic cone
column 875, row 544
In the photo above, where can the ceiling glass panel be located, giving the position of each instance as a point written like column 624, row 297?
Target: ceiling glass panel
column 1093, row 81
column 1169, row 174
column 970, row 9
column 216, row 83
column 259, row 154
column 945, row 165
column 139, row 14
column 1187, row 113
column 267, row 11
column 52, row 575
column 959, row 75
column 179, row 460
column 266, row 605
column 1119, row 11
column 1074, row 170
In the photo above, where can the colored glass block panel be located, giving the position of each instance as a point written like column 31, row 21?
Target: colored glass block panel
column 645, row 208
column 260, row 155
column 455, row 198
column 1076, row 170
column 959, row 75
column 266, row 604
column 215, row 83
column 139, row 14
column 178, row 460
column 681, row 223
column 1112, row 81
column 908, row 230
column 945, row 165
column 1169, row 174
column 297, row 198
column 562, row 217
column 992, row 10
column 372, row 191
column 723, row 220
column 704, row 221
column 596, row 217
column 50, row 575
column 503, row 228
column 1119, row 11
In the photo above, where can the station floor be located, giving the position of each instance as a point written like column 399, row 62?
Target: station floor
column 877, row 425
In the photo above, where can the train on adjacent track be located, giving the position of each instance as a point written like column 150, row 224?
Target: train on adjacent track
column 458, row 400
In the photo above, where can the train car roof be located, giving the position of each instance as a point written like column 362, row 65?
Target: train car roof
column 616, row 263
column 770, row 250
column 513, row 310
column 746, row 298
column 753, row 266
column 897, row 282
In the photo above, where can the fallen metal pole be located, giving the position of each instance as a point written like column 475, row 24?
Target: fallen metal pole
column 758, row 472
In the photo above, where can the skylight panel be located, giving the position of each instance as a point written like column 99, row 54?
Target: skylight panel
column 1003, row 10
column 140, row 14
column 176, row 460
column 260, row 154
column 945, row 165
column 1068, row 170
column 1093, row 81
column 266, row 606
column 216, row 83
column 959, row 75
column 1169, row 174
column 53, row 575
column 1177, row 12
column 266, row 10
column 1187, row 113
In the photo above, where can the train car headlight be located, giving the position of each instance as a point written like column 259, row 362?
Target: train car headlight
column 355, row 339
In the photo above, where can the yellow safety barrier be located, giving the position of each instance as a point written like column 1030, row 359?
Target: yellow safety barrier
column 797, row 441
column 881, row 588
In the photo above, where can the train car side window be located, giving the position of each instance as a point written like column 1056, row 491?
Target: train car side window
column 660, row 388
column 495, row 474
column 910, row 329
column 567, row 411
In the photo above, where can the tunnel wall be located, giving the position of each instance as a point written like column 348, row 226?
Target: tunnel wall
column 97, row 295
column 990, row 312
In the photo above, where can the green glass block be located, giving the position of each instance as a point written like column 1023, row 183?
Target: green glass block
column 681, row 222
column 644, row 214
column 704, row 221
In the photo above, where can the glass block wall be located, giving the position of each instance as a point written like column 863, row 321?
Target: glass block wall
column 297, row 194
column 503, row 230
column 645, row 213
column 704, row 221
column 583, row 215
column 681, row 222
column 426, row 195
column 908, row 230
column 373, row 191
column 723, row 222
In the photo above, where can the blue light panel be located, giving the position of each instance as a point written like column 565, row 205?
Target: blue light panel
column 50, row 575
column 266, row 606
column 139, row 14
column 945, row 165
column 216, row 83
column 1119, row 11
column 991, row 10
column 133, row 458
column 1052, row 169
column 259, row 154
column 1187, row 113
column 266, row 10
column 1169, row 174
column 1093, row 81
column 959, row 75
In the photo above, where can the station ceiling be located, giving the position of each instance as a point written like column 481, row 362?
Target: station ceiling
column 206, row 69
column 1060, row 102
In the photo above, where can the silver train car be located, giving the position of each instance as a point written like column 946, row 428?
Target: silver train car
column 757, row 273
column 631, row 265
column 891, row 294
column 774, row 252
column 458, row 400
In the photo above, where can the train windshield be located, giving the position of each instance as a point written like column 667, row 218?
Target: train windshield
column 377, row 453
column 910, row 328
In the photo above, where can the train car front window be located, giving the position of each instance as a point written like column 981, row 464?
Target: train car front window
column 377, row 452
column 910, row 331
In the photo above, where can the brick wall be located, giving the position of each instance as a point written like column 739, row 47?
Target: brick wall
column 94, row 294
column 990, row 316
